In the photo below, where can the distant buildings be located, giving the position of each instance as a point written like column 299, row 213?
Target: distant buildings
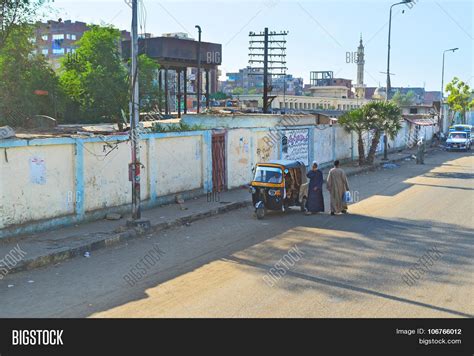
column 288, row 85
column 323, row 83
column 251, row 82
column 246, row 79
column 421, row 96
column 55, row 39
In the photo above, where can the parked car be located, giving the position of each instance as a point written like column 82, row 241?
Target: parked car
column 458, row 140
column 465, row 128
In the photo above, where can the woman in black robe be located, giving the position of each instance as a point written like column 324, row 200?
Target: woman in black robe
column 315, row 202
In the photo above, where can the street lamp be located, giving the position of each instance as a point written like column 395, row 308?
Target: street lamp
column 442, row 88
column 389, row 86
column 198, row 91
column 389, row 34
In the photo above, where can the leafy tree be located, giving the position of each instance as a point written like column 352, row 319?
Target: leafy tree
column 149, row 91
column 22, row 75
column 404, row 99
column 381, row 116
column 459, row 98
column 238, row 91
column 218, row 96
column 96, row 80
column 16, row 12
column 355, row 121
column 252, row 91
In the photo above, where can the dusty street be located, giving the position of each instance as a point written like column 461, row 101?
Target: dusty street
column 349, row 266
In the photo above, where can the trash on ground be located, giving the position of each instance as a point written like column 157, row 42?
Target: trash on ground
column 31, row 281
column 87, row 254
column 6, row 132
column 179, row 199
column 390, row 166
column 113, row 216
column 11, row 285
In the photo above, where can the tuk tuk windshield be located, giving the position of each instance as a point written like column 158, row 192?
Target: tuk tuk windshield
column 268, row 174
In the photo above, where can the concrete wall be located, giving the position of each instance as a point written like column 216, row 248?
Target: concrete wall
column 46, row 183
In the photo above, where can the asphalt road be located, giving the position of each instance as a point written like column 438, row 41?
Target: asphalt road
column 351, row 265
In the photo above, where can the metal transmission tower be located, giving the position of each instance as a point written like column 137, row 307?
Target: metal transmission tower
column 267, row 58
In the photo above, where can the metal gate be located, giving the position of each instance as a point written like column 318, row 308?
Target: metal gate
column 218, row 162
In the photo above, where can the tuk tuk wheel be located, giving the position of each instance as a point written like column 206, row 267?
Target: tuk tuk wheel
column 260, row 212
column 303, row 204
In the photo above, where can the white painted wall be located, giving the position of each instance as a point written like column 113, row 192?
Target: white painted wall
column 323, row 144
column 173, row 163
column 26, row 194
column 179, row 164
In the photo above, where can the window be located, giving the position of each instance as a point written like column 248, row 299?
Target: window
column 413, row 111
column 44, row 52
column 44, row 37
column 58, row 50
column 59, row 36
column 68, row 36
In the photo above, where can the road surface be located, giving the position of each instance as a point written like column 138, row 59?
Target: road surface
column 355, row 265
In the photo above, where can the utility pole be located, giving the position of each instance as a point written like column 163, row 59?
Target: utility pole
column 198, row 89
column 441, row 122
column 135, row 166
column 265, row 71
column 264, row 55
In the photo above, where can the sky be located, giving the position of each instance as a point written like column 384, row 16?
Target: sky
column 321, row 33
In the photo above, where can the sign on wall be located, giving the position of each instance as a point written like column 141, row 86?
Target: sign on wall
column 295, row 145
column 37, row 170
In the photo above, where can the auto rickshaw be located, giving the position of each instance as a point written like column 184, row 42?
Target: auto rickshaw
column 279, row 185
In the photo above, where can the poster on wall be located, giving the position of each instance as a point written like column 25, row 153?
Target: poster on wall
column 295, row 145
column 37, row 170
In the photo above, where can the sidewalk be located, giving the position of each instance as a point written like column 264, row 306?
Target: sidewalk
column 51, row 247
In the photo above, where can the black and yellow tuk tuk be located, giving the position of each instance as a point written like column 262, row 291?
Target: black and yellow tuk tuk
column 279, row 185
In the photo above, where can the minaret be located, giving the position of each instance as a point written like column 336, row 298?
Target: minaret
column 360, row 87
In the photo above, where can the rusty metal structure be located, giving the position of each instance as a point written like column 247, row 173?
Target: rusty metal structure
column 267, row 52
column 175, row 56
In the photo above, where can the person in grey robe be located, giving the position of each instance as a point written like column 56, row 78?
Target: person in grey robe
column 337, row 185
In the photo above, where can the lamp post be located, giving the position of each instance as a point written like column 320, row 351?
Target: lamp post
column 389, row 35
column 198, row 84
column 389, row 86
column 442, row 88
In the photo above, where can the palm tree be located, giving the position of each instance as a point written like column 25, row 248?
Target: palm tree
column 354, row 120
column 382, row 116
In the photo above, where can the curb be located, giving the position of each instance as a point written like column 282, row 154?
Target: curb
column 116, row 238
column 120, row 237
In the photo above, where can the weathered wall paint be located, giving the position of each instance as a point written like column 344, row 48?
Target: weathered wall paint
column 22, row 200
column 82, row 181
column 323, row 144
column 179, row 163
column 106, row 181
